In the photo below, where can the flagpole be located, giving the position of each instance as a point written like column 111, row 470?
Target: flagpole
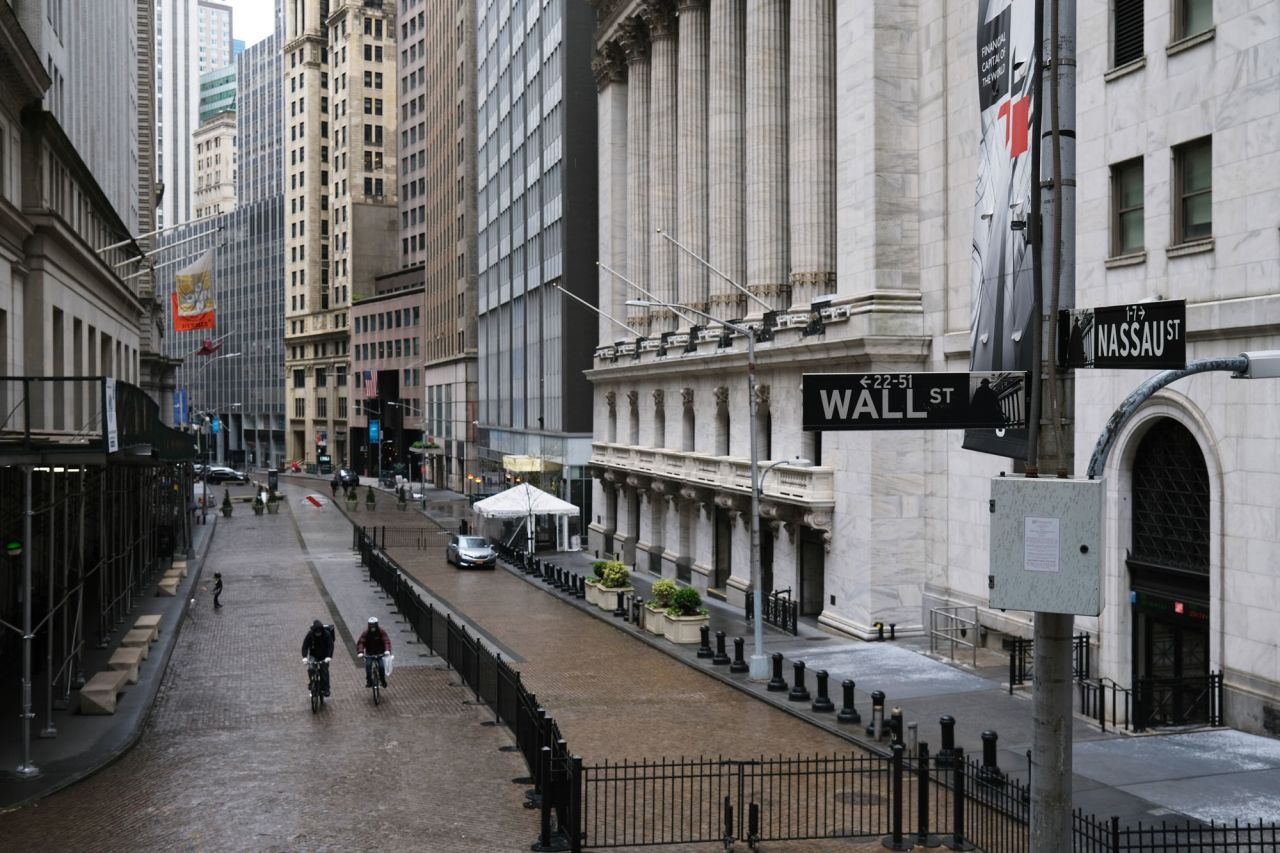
column 157, row 231
column 167, row 247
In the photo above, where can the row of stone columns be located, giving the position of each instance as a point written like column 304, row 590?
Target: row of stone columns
column 730, row 123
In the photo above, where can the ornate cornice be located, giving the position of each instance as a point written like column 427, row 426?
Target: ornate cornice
column 762, row 396
column 611, row 399
column 633, row 398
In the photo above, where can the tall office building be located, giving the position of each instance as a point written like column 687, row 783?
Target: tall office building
column 217, row 92
column 214, row 28
column 437, row 129
column 536, row 196
column 177, row 106
column 339, row 78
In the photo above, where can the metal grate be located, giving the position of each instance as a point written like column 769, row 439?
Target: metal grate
column 1128, row 31
column 1171, row 500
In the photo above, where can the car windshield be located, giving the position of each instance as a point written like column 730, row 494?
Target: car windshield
column 472, row 542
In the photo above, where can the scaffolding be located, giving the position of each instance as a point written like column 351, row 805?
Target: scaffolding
column 94, row 492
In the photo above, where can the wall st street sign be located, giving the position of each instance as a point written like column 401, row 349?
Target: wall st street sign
column 1146, row 335
column 858, row 401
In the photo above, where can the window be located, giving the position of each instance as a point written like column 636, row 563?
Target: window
column 1192, row 18
column 299, row 379
column 342, row 376
column 322, row 407
column 1193, row 191
column 1127, row 208
column 300, row 407
column 321, row 378
column 1127, row 32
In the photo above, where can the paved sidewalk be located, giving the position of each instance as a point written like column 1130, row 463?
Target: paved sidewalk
column 1161, row 776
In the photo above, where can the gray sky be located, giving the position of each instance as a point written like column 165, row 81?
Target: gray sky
column 251, row 20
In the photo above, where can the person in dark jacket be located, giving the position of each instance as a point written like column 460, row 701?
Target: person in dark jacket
column 318, row 645
column 217, row 589
column 372, row 645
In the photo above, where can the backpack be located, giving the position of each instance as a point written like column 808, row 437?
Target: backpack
column 330, row 633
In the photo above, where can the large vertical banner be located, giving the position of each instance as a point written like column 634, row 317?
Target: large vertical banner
column 1003, row 257
column 193, row 295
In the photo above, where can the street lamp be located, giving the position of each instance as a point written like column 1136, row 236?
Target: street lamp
column 759, row 663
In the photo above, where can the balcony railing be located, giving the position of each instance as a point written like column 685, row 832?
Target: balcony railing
column 810, row 486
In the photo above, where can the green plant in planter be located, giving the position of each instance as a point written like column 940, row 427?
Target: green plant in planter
column 258, row 504
column 663, row 590
column 597, row 567
column 615, row 575
column 686, row 602
column 369, row 499
column 226, row 503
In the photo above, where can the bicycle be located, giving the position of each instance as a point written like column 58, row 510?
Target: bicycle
column 315, row 682
column 378, row 677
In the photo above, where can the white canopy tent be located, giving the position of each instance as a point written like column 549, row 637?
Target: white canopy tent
column 526, row 501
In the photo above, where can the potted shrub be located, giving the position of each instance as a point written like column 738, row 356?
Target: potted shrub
column 655, row 617
column 593, row 583
column 685, row 616
column 258, row 504
column 226, row 503
column 400, row 499
column 369, row 499
column 353, row 503
column 273, row 502
column 614, row 578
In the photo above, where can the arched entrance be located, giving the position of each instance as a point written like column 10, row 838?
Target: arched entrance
column 1169, row 577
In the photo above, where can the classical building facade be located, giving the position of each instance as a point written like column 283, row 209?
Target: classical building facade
column 536, row 199
column 215, row 162
column 822, row 155
column 437, row 129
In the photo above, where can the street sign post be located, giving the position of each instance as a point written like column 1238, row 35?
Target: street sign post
column 1144, row 335
column 875, row 401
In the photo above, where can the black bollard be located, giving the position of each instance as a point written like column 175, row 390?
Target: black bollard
column 704, row 642
column 580, row 588
column 721, row 657
column 636, row 603
column 896, row 840
column 799, row 693
column 823, row 704
column 876, row 729
column 895, row 725
column 621, row 610
column 848, row 713
column 990, row 772
column 892, row 628
column 739, row 664
column 923, row 838
column 777, row 684
column 948, row 724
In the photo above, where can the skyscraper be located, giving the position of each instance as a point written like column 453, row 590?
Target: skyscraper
column 214, row 28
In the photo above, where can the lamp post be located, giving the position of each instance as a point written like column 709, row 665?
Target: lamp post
column 759, row 663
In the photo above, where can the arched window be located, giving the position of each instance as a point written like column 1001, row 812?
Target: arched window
column 1171, row 500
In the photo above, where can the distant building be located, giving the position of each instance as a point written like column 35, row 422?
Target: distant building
column 214, row 29
column 215, row 162
column 217, row 92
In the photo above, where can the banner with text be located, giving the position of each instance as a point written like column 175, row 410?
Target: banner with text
column 193, row 295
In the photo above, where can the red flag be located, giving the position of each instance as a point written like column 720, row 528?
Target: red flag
column 208, row 347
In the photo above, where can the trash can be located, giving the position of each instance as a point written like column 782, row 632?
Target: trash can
column 273, row 479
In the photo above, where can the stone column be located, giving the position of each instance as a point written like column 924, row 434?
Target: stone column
column 609, row 68
column 812, row 160
column 691, row 200
column 635, row 44
column 726, row 171
column 767, row 227
column 659, row 16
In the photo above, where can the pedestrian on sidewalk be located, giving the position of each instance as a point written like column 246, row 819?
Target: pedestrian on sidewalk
column 217, row 589
column 463, row 527
column 333, row 486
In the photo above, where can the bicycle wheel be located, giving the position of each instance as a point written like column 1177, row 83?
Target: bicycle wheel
column 316, row 698
column 376, row 692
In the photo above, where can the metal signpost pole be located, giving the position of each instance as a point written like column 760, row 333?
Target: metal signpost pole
column 759, row 663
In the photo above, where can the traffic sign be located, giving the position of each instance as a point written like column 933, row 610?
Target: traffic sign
column 1143, row 335
column 858, row 401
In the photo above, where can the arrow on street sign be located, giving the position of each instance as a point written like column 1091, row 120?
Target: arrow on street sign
column 870, row 401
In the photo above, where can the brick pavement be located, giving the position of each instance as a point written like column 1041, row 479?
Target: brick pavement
column 233, row 759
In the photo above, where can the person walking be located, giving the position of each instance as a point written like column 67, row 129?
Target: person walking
column 217, row 589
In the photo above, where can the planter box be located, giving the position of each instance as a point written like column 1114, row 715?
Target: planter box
column 684, row 629
column 655, row 621
column 609, row 597
column 593, row 593
column 257, row 510
column 273, row 507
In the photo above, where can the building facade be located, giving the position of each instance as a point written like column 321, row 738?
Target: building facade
column 826, row 161
column 213, row 29
column 536, row 113
column 437, row 130
column 215, row 162
column 217, row 92
column 178, row 72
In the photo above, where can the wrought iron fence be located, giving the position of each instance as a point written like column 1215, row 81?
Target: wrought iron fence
column 1022, row 659
column 778, row 609
column 1104, row 700
column 1179, row 701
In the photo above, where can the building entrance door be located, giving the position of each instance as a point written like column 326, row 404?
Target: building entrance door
column 723, row 549
column 813, row 570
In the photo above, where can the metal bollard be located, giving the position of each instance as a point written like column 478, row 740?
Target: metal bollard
column 822, row 704
column 721, row 657
column 948, row 724
column 990, row 772
column 739, row 664
column 892, row 627
column 777, row 684
column 877, row 714
column 913, row 739
column 895, row 726
column 799, row 693
column 848, row 713
column 621, row 610
column 704, row 642
column 895, row 840
column 636, row 603
column 580, row 590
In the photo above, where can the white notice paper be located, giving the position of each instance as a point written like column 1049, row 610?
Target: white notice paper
column 1040, row 544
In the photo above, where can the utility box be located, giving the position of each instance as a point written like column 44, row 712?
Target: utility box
column 1046, row 545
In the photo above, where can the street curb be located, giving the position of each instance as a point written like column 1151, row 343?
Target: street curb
column 136, row 734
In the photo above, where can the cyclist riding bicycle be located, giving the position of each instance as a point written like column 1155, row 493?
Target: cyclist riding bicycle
column 318, row 646
column 372, row 645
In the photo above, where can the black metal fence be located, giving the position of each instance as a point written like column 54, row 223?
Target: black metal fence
column 778, row 609
column 1022, row 657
